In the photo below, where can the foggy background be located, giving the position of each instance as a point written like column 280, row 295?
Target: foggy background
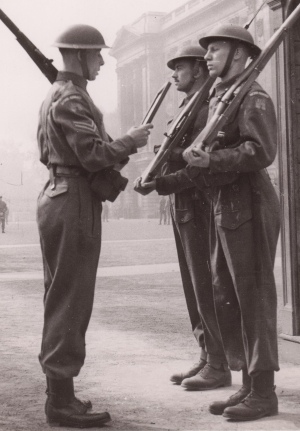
column 23, row 86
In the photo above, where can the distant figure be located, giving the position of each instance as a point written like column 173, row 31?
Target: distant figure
column 105, row 211
column 3, row 210
column 168, row 211
column 162, row 210
column 6, row 215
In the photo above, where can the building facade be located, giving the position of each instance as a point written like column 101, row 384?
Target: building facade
column 142, row 50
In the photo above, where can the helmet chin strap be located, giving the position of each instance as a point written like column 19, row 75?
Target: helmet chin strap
column 83, row 63
column 233, row 47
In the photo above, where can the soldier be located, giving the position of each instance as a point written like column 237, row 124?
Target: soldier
column 73, row 144
column 3, row 211
column 244, row 227
column 105, row 211
column 190, row 216
column 162, row 210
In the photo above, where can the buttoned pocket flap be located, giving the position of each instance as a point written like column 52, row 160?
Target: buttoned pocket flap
column 59, row 190
column 234, row 219
column 183, row 216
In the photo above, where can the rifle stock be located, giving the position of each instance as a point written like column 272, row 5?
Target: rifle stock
column 176, row 132
column 42, row 62
column 232, row 99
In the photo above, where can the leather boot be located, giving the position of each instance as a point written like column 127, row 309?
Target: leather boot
column 85, row 404
column 179, row 377
column 208, row 378
column 62, row 408
column 262, row 400
column 218, row 407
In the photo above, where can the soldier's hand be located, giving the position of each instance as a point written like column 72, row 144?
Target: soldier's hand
column 140, row 134
column 195, row 156
column 145, row 188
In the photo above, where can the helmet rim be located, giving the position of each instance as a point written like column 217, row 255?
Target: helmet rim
column 80, row 36
column 190, row 52
column 226, row 32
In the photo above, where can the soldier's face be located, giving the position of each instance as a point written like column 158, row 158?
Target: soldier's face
column 94, row 62
column 183, row 75
column 216, row 56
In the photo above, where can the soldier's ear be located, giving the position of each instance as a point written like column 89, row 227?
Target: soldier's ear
column 197, row 71
column 79, row 55
column 239, row 52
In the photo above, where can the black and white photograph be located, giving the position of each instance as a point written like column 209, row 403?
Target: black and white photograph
column 150, row 215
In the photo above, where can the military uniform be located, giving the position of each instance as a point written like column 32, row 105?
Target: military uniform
column 244, row 232
column 72, row 144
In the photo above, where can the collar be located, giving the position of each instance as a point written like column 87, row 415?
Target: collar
column 223, row 86
column 78, row 80
column 186, row 100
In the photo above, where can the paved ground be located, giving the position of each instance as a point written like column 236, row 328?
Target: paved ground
column 139, row 334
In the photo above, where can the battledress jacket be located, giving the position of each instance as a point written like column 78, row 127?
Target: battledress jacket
column 183, row 195
column 71, row 130
column 247, row 147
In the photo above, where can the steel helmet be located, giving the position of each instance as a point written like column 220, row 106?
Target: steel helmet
column 231, row 32
column 192, row 51
column 81, row 36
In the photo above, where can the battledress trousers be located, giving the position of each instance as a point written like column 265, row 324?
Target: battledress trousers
column 72, row 142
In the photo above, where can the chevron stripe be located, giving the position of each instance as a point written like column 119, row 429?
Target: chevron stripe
column 87, row 125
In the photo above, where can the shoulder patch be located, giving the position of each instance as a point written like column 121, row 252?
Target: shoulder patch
column 72, row 97
column 74, row 102
column 260, row 104
column 260, row 101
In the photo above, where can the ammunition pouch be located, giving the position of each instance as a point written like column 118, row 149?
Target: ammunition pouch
column 107, row 184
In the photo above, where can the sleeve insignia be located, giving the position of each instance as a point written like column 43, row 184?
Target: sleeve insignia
column 86, row 126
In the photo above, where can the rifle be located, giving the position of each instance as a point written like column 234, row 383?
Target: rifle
column 160, row 95
column 112, row 177
column 50, row 71
column 175, row 133
column 233, row 97
column 108, row 183
column 248, row 23
column 42, row 62
column 179, row 127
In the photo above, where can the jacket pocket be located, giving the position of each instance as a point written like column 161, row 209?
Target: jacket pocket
column 59, row 190
column 233, row 220
column 183, row 216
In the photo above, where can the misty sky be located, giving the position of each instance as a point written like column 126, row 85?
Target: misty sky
column 23, row 87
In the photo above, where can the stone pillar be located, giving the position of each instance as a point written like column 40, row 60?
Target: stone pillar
column 288, row 104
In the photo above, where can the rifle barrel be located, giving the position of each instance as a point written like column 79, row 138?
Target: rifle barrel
column 177, row 130
column 42, row 62
column 232, row 98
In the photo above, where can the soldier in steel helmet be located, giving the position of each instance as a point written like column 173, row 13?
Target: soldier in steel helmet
column 190, row 215
column 76, row 149
column 244, row 227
